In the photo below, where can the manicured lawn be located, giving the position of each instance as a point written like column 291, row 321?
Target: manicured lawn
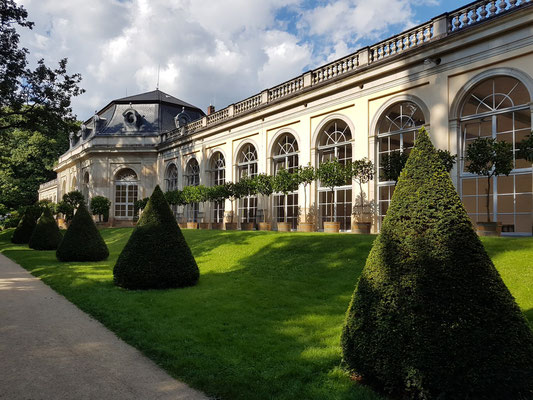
column 265, row 320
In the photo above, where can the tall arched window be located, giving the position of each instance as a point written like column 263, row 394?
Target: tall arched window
column 498, row 108
column 247, row 166
column 192, row 178
column 397, row 129
column 74, row 184
column 334, row 142
column 86, row 187
column 285, row 156
column 126, row 192
column 171, row 180
column 218, row 170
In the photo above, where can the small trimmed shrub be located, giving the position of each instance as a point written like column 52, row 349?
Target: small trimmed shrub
column 430, row 317
column 82, row 241
column 156, row 255
column 46, row 235
column 24, row 229
column 100, row 206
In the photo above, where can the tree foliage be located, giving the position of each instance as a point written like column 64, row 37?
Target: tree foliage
column 31, row 99
column 332, row 174
column 100, row 206
column 156, row 255
column 430, row 317
column 525, row 148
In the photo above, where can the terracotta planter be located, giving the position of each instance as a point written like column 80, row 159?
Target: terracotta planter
column 192, row 225
column 217, row 225
column 361, row 227
column 247, row 226
column 284, row 227
column 332, row 227
column 62, row 223
column 182, row 225
column 204, row 225
column 306, row 227
column 231, row 226
column 265, row 226
column 489, row 228
column 102, row 225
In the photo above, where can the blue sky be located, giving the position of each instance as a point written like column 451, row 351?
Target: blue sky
column 209, row 51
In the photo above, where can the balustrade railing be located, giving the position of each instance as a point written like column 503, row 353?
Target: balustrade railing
column 336, row 68
column 433, row 30
column 48, row 184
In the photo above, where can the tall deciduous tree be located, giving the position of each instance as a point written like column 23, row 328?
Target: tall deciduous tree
column 30, row 98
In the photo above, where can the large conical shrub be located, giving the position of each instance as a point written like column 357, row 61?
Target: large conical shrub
column 82, row 241
column 156, row 255
column 46, row 235
column 430, row 317
column 24, row 229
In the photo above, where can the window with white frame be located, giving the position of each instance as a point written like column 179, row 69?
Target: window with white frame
column 126, row 192
column 498, row 108
column 335, row 142
column 285, row 156
column 192, row 178
column 171, row 180
column 247, row 166
column 397, row 129
column 218, row 170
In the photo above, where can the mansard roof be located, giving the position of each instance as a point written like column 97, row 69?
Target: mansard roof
column 155, row 96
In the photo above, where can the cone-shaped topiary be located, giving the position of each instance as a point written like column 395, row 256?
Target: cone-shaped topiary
column 24, row 229
column 46, row 235
column 430, row 317
column 156, row 255
column 82, row 241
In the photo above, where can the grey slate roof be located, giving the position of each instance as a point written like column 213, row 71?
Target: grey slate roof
column 154, row 96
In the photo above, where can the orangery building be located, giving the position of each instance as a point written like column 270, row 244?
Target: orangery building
column 462, row 75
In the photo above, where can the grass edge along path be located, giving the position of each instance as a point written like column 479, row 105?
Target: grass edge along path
column 264, row 321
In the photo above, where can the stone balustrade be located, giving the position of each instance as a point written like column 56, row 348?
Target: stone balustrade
column 48, row 184
column 435, row 29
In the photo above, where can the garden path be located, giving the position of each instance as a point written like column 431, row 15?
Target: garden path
column 49, row 349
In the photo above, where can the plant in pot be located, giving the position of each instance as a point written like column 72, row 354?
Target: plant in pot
column 217, row 194
column 489, row 157
column 263, row 184
column 100, row 206
column 191, row 195
column 175, row 198
column 202, row 197
column 306, row 176
column 362, row 172
column 331, row 174
column 246, row 187
column 234, row 194
column 70, row 203
column 285, row 182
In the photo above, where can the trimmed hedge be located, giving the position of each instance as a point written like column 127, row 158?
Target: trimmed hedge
column 156, row 255
column 430, row 317
column 24, row 229
column 46, row 235
column 82, row 241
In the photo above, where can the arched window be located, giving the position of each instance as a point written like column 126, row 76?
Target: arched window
column 171, row 177
column 218, row 170
column 192, row 178
column 498, row 108
column 247, row 166
column 64, row 188
column 126, row 192
column 334, row 142
column 74, row 184
column 285, row 156
column 86, row 187
column 397, row 129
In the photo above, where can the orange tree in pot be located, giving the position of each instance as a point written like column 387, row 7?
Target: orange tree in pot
column 285, row 182
column 332, row 174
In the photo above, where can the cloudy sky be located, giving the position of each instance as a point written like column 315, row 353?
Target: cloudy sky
column 207, row 51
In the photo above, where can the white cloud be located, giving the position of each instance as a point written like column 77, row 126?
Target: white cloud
column 206, row 51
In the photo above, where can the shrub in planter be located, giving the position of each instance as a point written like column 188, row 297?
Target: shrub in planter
column 70, row 203
column 430, row 317
column 156, row 255
column 82, row 240
column 46, row 235
column 100, row 206
column 24, row 229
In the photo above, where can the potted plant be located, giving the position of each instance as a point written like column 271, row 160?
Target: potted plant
column 362, row 172
column 100, row 206
column 332, row 174
column 175, row 198
column 190, row 196
column 489, row 157
column 233, row 195
column 70, row 203
column 263, row 184
column 285, row 182
column 306, row 176
column 202, row 197
column 246, row 187
column 218, row 193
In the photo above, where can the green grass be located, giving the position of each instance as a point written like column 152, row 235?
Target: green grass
column 264, row 322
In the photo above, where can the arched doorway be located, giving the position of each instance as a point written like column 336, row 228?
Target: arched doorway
column 126, row 193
